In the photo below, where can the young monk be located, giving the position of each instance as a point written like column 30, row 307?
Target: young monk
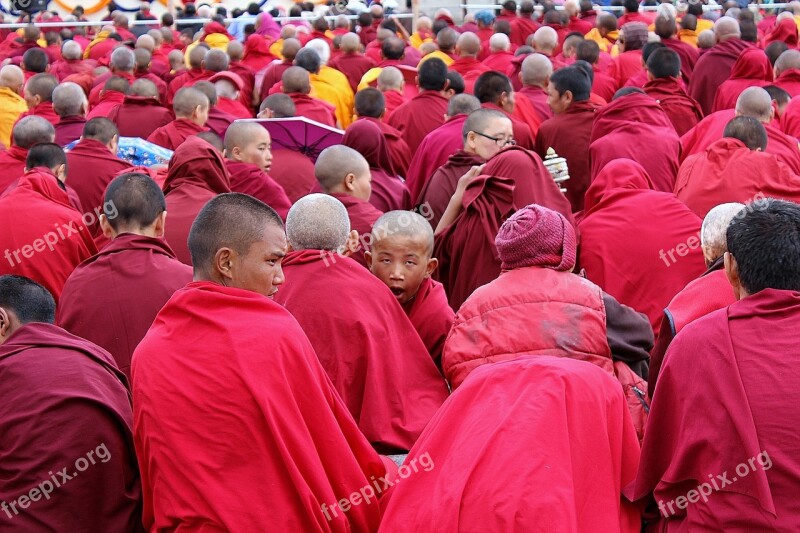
column 401, row 257
column 191, row 113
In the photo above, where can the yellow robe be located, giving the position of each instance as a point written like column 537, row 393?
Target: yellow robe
column 275, row 49
column 416, row 41
column 12, row 106
column 604, row 44
column 437, row 53
column 704, row 24
column 688, row 36
column 333, row 87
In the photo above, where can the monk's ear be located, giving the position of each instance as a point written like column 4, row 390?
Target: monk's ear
column 349, row 182
column 352, row 246
column 732, row 273
column 160, row 224
column 223, row 263
column 105, row 226
column 5, row 325
column 431, row 266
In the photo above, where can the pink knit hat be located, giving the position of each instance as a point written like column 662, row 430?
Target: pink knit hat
column 536, row 236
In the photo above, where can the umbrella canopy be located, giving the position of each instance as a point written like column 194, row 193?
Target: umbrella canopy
column 137, row 152
column 300, row 134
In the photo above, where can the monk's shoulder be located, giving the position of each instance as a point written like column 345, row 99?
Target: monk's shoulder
column 700, row 342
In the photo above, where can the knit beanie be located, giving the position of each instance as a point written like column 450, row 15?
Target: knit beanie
column 536, row 236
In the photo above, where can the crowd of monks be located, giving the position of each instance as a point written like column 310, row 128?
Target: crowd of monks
column 546, row 281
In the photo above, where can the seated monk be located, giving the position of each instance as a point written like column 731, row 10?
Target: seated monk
column 55, row 381
column 552, row 434
column 140, row 113
column 344, row 174
column 248, row 159
column 248, row 75
column 27, row 132
column 709, row 292
column 112, row 298
column 468, row 47
column 218, row 120
column 485, row 132
column 426, row 111
column 370, row 105
column 291, row 169
column 53, row 239
column 752, row 69
column 494, row 91
column 12, row 104
column 191, row 113
column 663, row 74
column 371, row 351
column 273, row 74
column 630, row 234
column 269, row 394
column 787, row 72
column 196, row 174
column 229, row 86
column 327, row 83
column 70, row 104
column 735, row 169
column 389, row 192
column 747, row 423
column 392, row 84
column 351, row 62
column 401, row 256
column 38, row 93
column 113, row 94
column 188, row 78
column 297, row 84
column 437, row 147
column 535, row 75
column 144, row 71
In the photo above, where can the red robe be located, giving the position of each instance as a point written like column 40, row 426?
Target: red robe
column 783, row 32
column 54, row 238
column 431, row 316
column 789, row 81
column 569, row 133
column 161, row 86
column 438, row 190
column 636, row 127
column 256, row 52
column 108, row 101
column 363, row 216
column 12, row 161
column 69, row 129
column 499, row 61
column 44, row 110
column 522, row 132
column 354, row 66
column 752, row 69
column 314, row 109
column 139, row 116
column 96, row 302
column 625, row 66
column 90, row 168
column 248, row 77
column 196, row 174
column 433, row 152
column 633, row 17
column 269, row 395
column 492, row 462
column 603, row 85
column 398, row 149
column 687, row 53
column 744, row 425
column 728, row 171
column 219, row 121
column 271, row 77
column 521, row 28
column 372, row 354
column 393, row 100
column 54, row 381
column 175, row 133
column 789, row 121
column 470, row 69
column 639, row 245
column 712, row 69
column 234, row 107
column 99, row 83
column 63, row 68
column 187, row 78
column 683, row 111
column 419, row 116
column 250, row 179
column 537, row 97
column 294, row 172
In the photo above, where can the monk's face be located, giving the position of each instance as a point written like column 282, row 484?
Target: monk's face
column 402, row 263
column 361, row 184
column 257, row 151
column 558, row 102
column 259, row 270
column 483, row 146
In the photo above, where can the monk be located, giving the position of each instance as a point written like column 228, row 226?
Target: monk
column 568, row 132
column 709, row 292
column 228, row 87
column 375, row 358
column 27, row 132
column 699, row 434
column 12, row 104
column 70, row 104
column 352, row 63
column 296, row 82
column 787, row 72
column 663, row 73
column 38, row 95
column 70, row 61
column 273, row 73
column 99, row 485
column 189, row 77
column 535, row 76
column 370, row 106
column 389, row 192
column 500, row 55
column 752, row 69
column 630, row 43
column 437, row 147
column 140, row 113
column 666, row 27
column 328, row 84
column 284, row 403
column 715, row 65
column 191, row 113
column 122, row 64
column 218, row 120
column 93, row 163
column 494, row 91
column 248, row 160
column 426, row 111
column 235, row 52
column 630, row 235
column 480, row 130
column 113, row 94
column 467, row 48
column 392, row 84
column 401, row 257
column 735, row 169
column 144, row 72
column 196, row 174
column 53, row 239
column 634, row 126
column 97, row 297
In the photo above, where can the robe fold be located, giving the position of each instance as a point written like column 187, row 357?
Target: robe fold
column 248, row 77
column 681, row 109
column 625, row 66
column 314, row 109
column 219, row 121
column 373, row 355
column 712, row 69
column 537, row 96
column 470, row 69
column 90, row 168
column 65, row 404
column 532, row 444
column 175, row 133
column 332, row 86
column 431, row 316
column 187, row 78
column 294, row 172
column 687, row 53
column 433, row 152
column 250, row 179
column 419, row 116
column 97, row 297
column 234, row 108
column 139, row 116
column 394, row 99
column 603, row 85
column 44, row 110
column 752, row 69
column 438, row 190
column 268, row 395
column 398, row 149
column 271, row 77
column 12, row 105
column 789, row 121
column 500, row 61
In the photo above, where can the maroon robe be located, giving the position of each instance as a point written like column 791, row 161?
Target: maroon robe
column 69, row 129
column 394, row 99
column 90, row 168
column 139, row 116
column 187, row 78
column 314, row 109
column 44, row 110
column 500, row 61
column 354, row 66
column 250, row 179
column 248, row 77
column 752, row 69
column 431, row 316
column 789, row 81
column 294, row 172
column 433, row 152
column 108, row 101
column 219, row 121
column 99, row 83
column 537, row 96
column 521, row 28
column 569, row 134
column 272, row 76
column 712, row 69
column 470, row 69
column 234, row 108
column 603, row 85
column 625, row 66
column 54, row 381
column 398, row 149
column 436, row 194
column 97, row 300
column 12, row 161
column 63, row 68
column 175, row 133
column 683, row 111
column 419, row 116
column 687, row 53
column 363, row 216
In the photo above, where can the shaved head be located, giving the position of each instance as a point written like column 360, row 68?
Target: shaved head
column 296, row 80
column 213, row 139
column 370, row 102
column 726, row 28
column 240, row 134
column 545, row 39
column 32, row 130
column 208, row 89
column 281, row 105
column 35, row 60
column 790, row 59
column 122, row 59
column 290, row 48
column 13, row 77
column 144, row 87
column 536, row 70
column 499, row 42
column 69, row 100
column 308, row 59
column 480, row 119
column 335, row 163
column 27, row 300
column 100, row 129
column 143, row 58
column 468, row 44
column 196, row 56
column 755, row 102
column 117, row 83
column 235, row 51
column 404, row 224
column 187, row 100
column 462, row 104
column 322, row 48
column 215, row 61
column 147, row 42
column 446, row 39
column 71, row 50
column 350, row 43
column 390, row 78
column 713, row 238
column 138, row 202
column 749, row 130
column 42, row 85
column 318, row 222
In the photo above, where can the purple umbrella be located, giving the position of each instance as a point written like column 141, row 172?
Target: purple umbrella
column 300, row 134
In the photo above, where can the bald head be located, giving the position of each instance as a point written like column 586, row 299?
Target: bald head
column 208, row 89
column 290, row 48
column 196, row 57
column 499, row 42
column 308, row 59
column 296, row 80
column 35, row 60
column 187, row 100
column 288, row 31
column 335, row 163
column 545, row 39
column 749, row 130
column 536, row 70
column 280, row 105
column 713, row 238
column 147, row 42
column 145, row 88
column 462, row 104
column 41, row 86
column 350, row 43
column 235, row 51
column 389, row 79
column 215, row 61
column 790, row 59
column 156, row 36
column 706, row 39
column 403, row 224
column 241, row 134
column 69, row 100
column 12, row 77
column 138, row 201
column 726, row 28
column 755, row 102
column 322, row 48
column 32, row 130
column 446, row 39
column 606, row 22
column 468, row 45
column 71, row 51
column 122, row 60
column 143, row 58
column 318, row 222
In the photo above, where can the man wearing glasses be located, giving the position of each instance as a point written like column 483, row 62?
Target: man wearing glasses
column 494, row 91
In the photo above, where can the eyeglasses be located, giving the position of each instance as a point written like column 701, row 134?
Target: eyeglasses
column 501, row 142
